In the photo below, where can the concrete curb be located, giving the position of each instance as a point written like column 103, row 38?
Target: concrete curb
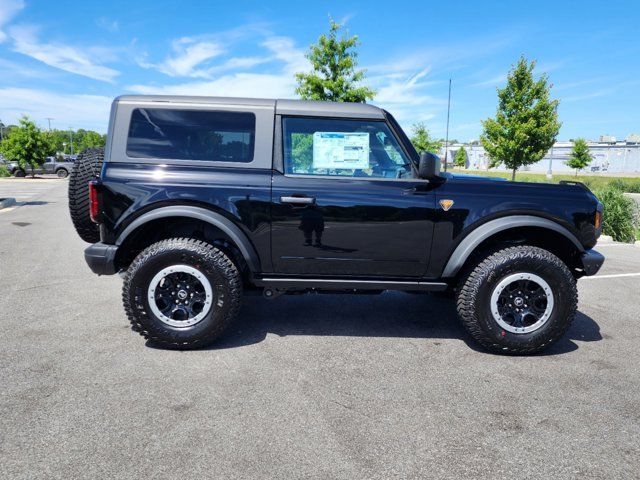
column 7, row 202
column 605, row 239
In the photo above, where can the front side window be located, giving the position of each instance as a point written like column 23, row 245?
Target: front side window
column 191, row 135
column 352, row 148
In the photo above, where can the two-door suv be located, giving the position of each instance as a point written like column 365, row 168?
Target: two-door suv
column 196, row 200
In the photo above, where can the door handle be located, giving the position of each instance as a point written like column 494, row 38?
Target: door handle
column 298, row 200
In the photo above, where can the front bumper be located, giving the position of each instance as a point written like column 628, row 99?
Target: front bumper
column 101, row 258
column 591, row 262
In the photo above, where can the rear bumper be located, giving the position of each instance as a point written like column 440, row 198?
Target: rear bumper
column 591, row 262
column 101, row 258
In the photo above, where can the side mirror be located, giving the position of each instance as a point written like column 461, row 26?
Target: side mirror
column 429, row 166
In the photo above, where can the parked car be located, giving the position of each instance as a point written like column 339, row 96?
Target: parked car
column 197, row 200
column 50, row 165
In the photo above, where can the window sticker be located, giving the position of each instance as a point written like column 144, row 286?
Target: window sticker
column 341, row 150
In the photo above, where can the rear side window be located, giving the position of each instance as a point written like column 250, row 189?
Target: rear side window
column 191, row 135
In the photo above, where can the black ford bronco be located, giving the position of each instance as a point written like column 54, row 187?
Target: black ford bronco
column 197, row 201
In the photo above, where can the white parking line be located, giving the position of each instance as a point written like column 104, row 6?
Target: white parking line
column 614, row 275
column 601, row 245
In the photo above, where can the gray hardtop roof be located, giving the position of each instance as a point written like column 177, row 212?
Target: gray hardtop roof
column 282, row 107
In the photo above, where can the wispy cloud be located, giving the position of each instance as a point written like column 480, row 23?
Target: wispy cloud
column 87, row 111
column 18, row 71
column 78, row 60
column 588, row 96
column 494, row 81
column 8, row 10
column 285, row 50
column 107, row 24
column 240, row 79
column 232, row 85
column 204, row 56
column 188, row 57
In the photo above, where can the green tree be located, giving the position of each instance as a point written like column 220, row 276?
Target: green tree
column 89, row 139
column 333, row 76
column 60, row 140
column 302, row 152
column 580, row 156
column 26, row 145
column 460, row 159
column 422, row 141
column 526, row 122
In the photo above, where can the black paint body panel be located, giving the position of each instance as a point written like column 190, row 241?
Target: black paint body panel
column 242, row 195
column 368, row 228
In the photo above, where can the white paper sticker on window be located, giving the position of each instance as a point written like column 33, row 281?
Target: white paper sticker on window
column 340, row 150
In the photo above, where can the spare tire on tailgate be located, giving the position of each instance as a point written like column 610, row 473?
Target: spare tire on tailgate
column 86, row 168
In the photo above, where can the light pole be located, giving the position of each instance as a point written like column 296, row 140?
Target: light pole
column 71, row 139
column 1, row 131
column 48, row 119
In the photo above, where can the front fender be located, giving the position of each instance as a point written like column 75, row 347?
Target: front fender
column 466, row 247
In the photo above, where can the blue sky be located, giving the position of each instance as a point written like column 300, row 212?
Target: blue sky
column 68, row 59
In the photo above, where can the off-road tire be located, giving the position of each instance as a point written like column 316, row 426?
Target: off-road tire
column 476, row 287
column 86, row 168
column 221, row 272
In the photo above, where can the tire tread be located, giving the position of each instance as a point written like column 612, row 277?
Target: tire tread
column 86, row 167
column 468, row 292
column 225, row 266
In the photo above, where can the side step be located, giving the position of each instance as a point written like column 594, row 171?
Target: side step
column 338, row 284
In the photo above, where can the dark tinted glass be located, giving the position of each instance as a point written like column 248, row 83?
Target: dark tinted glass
column 191, row 135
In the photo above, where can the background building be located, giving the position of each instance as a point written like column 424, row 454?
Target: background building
column 609, row 156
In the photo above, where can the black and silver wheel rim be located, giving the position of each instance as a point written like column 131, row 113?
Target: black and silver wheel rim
column 180, row 296
column 522, row 303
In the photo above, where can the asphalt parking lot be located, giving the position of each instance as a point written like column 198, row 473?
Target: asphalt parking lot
column 319, row 386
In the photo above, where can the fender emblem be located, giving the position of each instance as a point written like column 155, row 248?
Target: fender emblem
column 446, row 204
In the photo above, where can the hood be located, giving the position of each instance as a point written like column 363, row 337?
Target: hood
column 464, row 176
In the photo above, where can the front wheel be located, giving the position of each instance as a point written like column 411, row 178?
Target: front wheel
column 62, row 173
column 518, row 300
column 181, row 293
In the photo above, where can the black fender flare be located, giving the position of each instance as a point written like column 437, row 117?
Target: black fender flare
column 466, row 247
column 217, row 220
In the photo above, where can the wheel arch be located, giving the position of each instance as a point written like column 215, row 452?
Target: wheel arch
column 541, row 231
column 197, row 215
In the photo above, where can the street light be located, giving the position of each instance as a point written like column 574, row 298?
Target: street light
column 1, row 131
column 71, row 140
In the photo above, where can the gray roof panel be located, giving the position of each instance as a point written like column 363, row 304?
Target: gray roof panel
column 283, row 107
column 260, row 102
column 328, row 109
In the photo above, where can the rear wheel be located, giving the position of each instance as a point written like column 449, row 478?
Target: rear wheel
column 86, row 168
column 181, row 293
column 19, row 173
column 518, row 300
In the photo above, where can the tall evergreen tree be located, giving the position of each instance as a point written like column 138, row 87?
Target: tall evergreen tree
column 422, row 140
column 580, row 156
column 526, row 122
column 333, row 76
column 460, row 160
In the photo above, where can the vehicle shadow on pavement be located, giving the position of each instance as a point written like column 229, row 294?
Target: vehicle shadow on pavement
column 391, row 314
